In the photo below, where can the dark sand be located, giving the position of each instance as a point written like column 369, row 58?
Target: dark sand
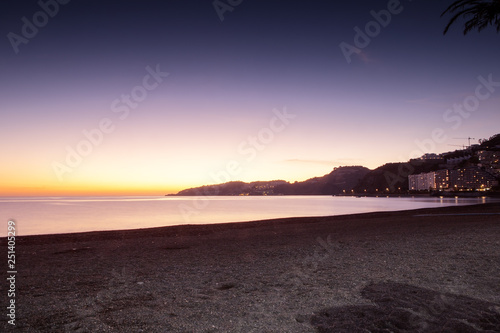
column 378, row 272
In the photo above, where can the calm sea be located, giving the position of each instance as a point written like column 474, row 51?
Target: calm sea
column 52, row 215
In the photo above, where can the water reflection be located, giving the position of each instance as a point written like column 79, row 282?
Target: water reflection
column 46, row 215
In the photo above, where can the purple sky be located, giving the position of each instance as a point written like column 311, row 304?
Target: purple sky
column 219, row 113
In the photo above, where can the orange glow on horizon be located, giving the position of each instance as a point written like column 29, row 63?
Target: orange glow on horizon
column 88, row 191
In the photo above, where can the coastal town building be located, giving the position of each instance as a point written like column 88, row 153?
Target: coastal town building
column 422, row 182
column 490, row 160
column 457, row 160
column 431, row 157
column 463, row 179
column 471, row 179
column 442, row 180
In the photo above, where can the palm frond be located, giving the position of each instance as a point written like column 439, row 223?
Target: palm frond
column 479, row 14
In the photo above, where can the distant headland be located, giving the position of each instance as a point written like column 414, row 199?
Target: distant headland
column 471, row 171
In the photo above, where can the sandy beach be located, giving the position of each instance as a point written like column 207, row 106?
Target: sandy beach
column 427, row 270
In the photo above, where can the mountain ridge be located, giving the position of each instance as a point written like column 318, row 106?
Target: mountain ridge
column 388, row 178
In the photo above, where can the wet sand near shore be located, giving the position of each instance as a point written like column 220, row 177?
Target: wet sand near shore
column 426, row 270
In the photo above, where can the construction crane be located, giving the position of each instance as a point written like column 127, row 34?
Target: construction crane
column 463, row 146
column 469, row 138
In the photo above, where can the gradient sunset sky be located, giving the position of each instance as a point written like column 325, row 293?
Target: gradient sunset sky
column 227, row 81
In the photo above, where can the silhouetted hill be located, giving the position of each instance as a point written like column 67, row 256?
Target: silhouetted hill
column 388, row 178
column 491, row 143
column 340, row 179
column 235, row 188
column 393, row 177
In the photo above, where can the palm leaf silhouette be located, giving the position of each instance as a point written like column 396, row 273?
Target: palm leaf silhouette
column 479, row 14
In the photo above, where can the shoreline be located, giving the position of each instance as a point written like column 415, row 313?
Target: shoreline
column 397, row 270
column 243, row 224
column 88, row 221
